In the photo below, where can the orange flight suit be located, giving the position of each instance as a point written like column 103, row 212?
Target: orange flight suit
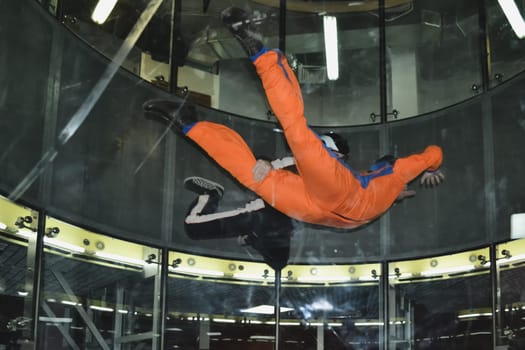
column 326, row 191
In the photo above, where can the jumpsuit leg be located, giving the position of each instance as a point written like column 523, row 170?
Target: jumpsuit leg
column 204, row 222
column 282, row 189
column 327, row 180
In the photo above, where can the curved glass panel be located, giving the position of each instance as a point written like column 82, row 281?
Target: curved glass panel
column 124, row 174
column 140, row 27
column 433, row 56
column 441, row 302
column 511, row 302
column 97, row 291
column 216, row 303
column 506, row 47
column 18, row 226
column 332, row 307
column 351, row 96
column 433, row 53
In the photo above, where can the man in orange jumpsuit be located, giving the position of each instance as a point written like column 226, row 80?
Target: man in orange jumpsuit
column 326, row 191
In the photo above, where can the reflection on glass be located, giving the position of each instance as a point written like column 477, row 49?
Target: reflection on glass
column 511, row 320
column 506, row 49
column 97, row 292
column 149, row 57
column 215, row 303
column 441, row 302
column 331, row 307
column 17, row 266
column 354, row 96
column 433, row 56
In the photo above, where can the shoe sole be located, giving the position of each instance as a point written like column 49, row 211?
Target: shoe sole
column 201, row 185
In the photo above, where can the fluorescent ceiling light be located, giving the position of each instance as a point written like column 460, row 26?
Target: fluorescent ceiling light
column 197, row 271
column 262, row 337
column 67, row 302
column 372, row 323
column 330, row 324
column 368, row 278
column 323, row 279
column 121, row 259
column 514, row 17
column 402, row 275
column 331, row 47
column 223, row 320
column 102, row 10
column 64, row 245
column 101, row 308
column 284, row 323
column 335, row 324
column 252, row 321
column 55, row 319
column 447, row 270
column 250, row 277
column 484, row 314
column 25, row 233
column 265, row 309
column 513, row 258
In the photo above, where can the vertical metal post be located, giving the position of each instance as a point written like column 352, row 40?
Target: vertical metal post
column 282, row 25
column 483, row 45
column 277, row 308
column 176, row 9
column 382, row 62
column 384, row 303
column 155, row 329
column 118, row 331
column 60, row 10
column 163, row 290
column 37, row 274
column 496, row 296
column 320, row 337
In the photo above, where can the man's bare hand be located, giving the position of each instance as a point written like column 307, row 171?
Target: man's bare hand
column 261, row 169
column 432, row 178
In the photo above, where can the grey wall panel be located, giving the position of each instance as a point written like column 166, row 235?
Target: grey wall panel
column 508, row 122
column 25, row 53
column 452, row 215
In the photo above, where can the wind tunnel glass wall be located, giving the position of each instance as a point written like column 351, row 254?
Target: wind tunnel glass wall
column 124, row 174
column 351, row 94
column 441, row 302
column 218, row 304
column 511, row 303
column 434, row 53
column 506, row 48
column 18, row 226
column 97, row 291
column 332, row 307
column 107, row 31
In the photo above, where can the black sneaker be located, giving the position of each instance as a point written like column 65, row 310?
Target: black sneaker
column 201, row 185
column 171, row 113
column 243, row 29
